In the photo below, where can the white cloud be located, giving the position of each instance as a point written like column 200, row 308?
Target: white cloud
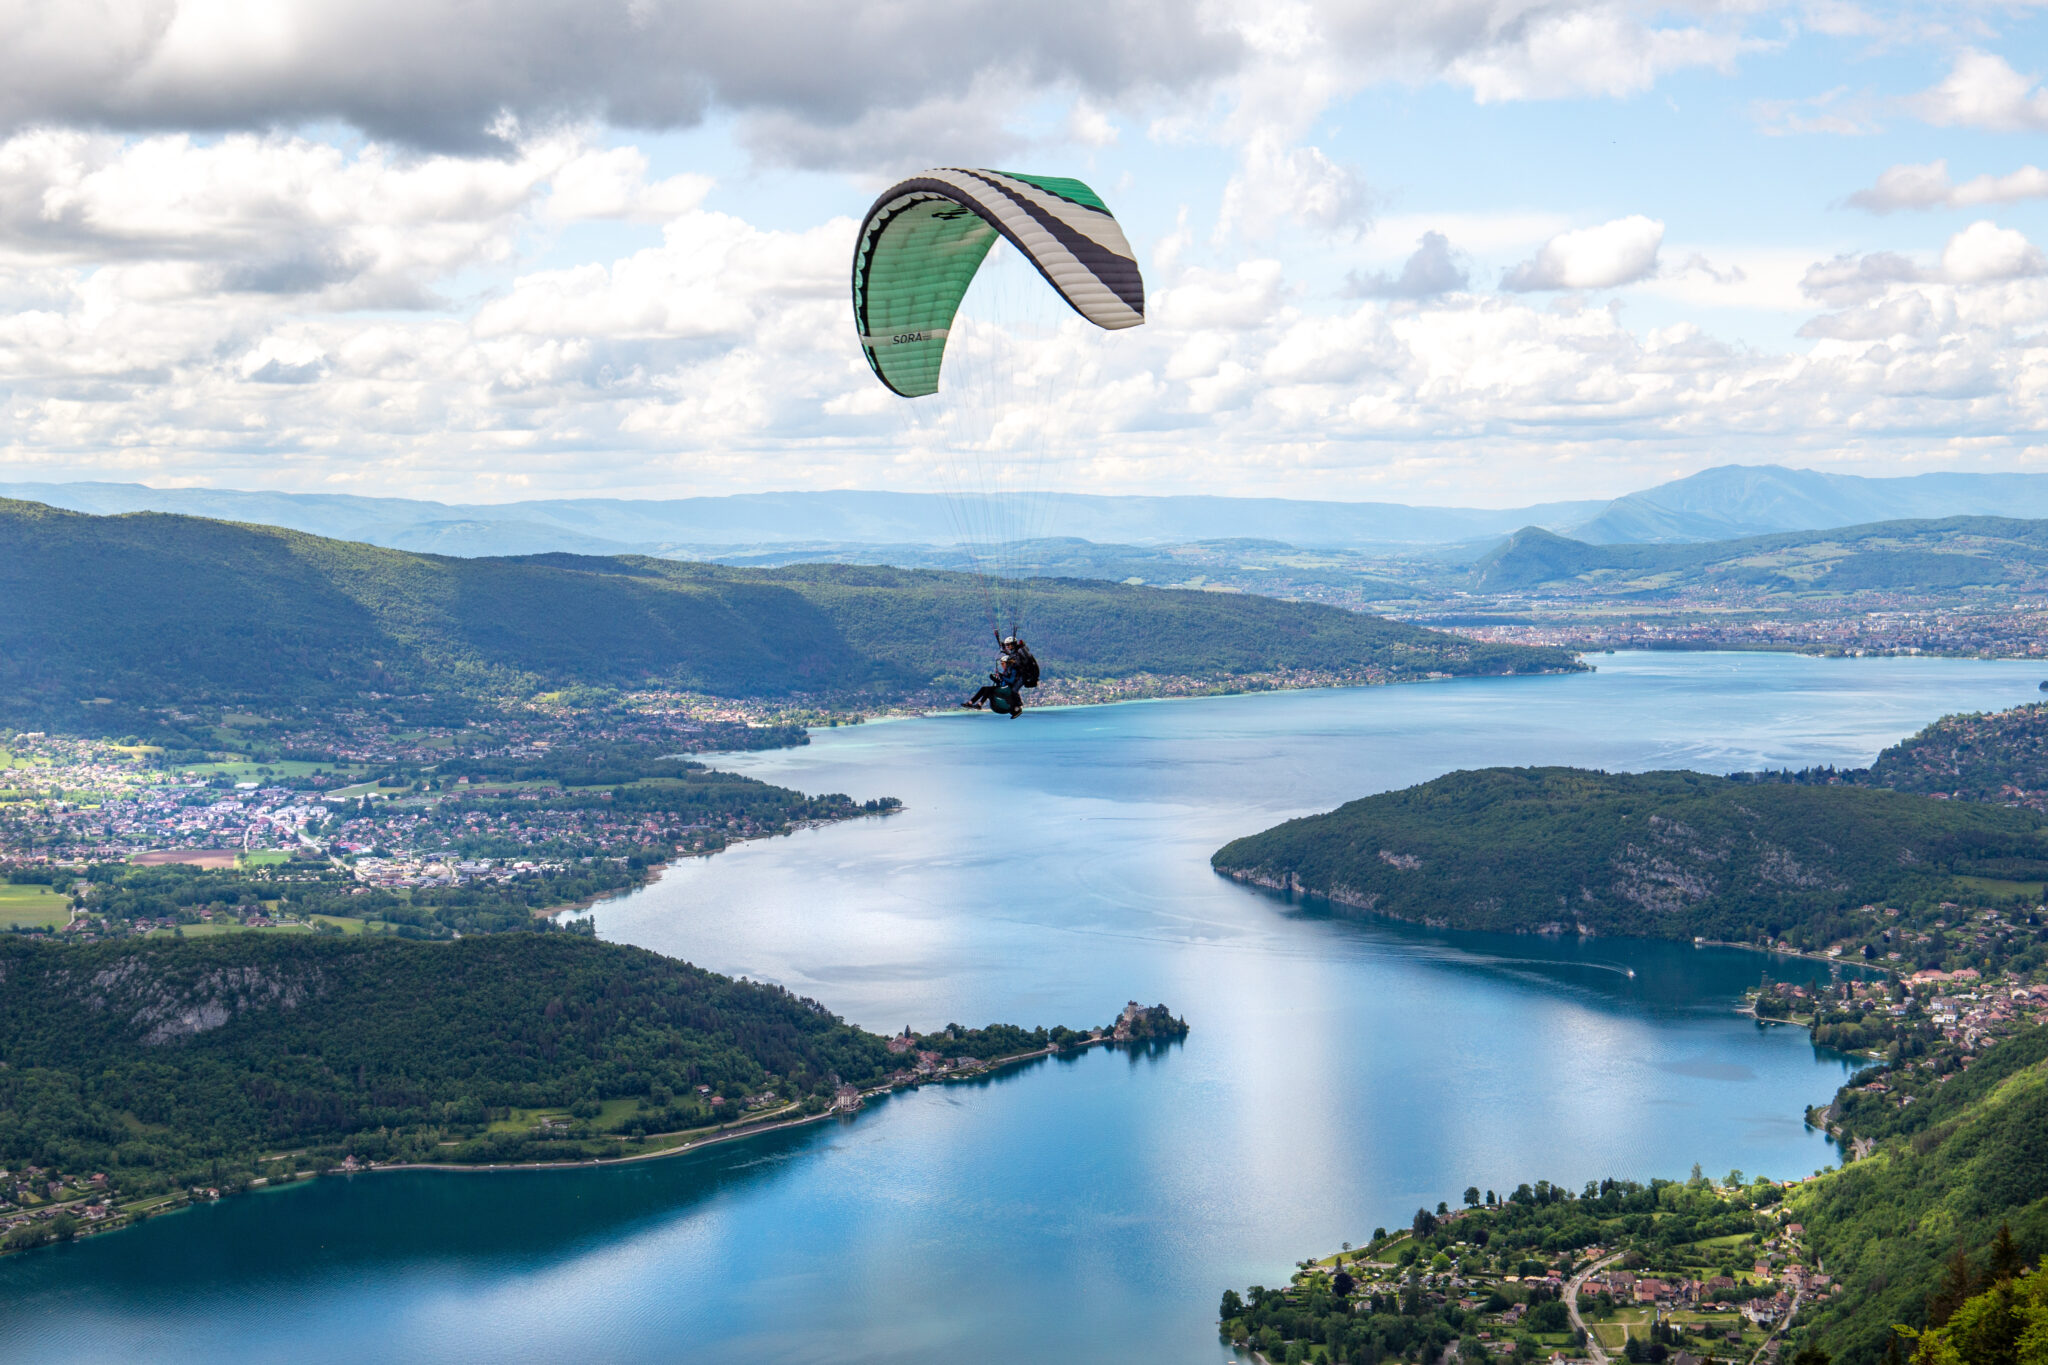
column 1616, row 253
column 1985, row 252
column 441, row 73
column 1233, row 300
column 292, row 216
column 1852, row 279
column 1909, row 186
column 1276, row 184
column 810, row 84
column 1983, row 91
column 1436, row 267
column 1590, row 50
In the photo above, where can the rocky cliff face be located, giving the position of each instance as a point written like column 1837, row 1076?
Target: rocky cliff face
column 166, row 1006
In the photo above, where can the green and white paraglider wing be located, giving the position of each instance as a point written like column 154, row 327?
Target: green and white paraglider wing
column 925, row 238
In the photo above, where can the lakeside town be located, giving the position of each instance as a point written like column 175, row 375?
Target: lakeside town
column 437, row 830
column 2006, row 632
column 1694, row 1272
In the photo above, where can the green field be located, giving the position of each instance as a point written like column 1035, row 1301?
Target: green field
column 348, row 924
column 262, row 858
column 615, row 1115
column 365, row 788
column 1994, row 886
column 31, row 906
column 246, row 770
column 229, row 927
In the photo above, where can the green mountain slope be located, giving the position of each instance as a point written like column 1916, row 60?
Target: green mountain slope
column 1998, row 757
column 1950, row 1171
column 160, row 1053
column 1656, row 855
column 148, row 609
column 1945, row 554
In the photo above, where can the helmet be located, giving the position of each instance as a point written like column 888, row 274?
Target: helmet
column 1009, row 640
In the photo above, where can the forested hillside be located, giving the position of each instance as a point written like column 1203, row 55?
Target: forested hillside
column 1998, row 757
column 164, row 1054
column 1657, row 855
column 148, row 610
column 1949, row 1173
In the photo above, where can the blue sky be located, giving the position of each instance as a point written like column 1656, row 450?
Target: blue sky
column 600, row 248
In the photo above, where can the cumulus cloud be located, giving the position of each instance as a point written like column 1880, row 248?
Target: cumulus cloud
column 1986, row 283
column 442, row 73
column 812, row 83
column 1277, row 184
column 1607, row 50
column 1604, row 257
column 675, row 366
column 1984, row 252
column 291, row 216
column 1983, row 91
column 1928, row 186
column 1435, row 268
column 1852, row 279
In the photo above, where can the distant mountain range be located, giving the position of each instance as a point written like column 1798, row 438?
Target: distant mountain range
column 1716, row 504
column 695, row 527
column 1746, row 500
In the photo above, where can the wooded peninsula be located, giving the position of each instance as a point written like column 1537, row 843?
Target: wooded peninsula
column 143, row 1074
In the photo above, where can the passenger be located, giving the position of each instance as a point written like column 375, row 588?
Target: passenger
column 1015, row 669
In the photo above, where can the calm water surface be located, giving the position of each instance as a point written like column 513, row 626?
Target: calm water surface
column 1090, row 1209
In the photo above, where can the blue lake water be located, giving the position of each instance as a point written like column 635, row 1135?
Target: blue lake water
column 1339, row 1073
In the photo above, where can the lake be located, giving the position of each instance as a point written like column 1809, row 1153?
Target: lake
column 1339, row 1073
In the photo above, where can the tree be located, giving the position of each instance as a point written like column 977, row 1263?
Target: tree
column 1957, row 1281
column 2005, row 1257
column 1471, row 1196
column 1233, row 1306
column 1810, row 1354
column 1424, row 1224
column 1442, row 1208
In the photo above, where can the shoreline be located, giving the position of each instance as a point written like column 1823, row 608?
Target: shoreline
column 1358, row 907
column 738, row 1133
column 937, row 710
column 743, row 1131
column 656, row 871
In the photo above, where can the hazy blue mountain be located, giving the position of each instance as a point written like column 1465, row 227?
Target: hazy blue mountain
column 842, row 517
column 1754, row 500
column 1716, row 504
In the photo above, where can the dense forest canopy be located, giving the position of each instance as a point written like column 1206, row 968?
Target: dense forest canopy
column 162, row 1055
column 1655, row 855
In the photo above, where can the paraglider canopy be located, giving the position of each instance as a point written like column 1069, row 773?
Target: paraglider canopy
column 924, row 239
